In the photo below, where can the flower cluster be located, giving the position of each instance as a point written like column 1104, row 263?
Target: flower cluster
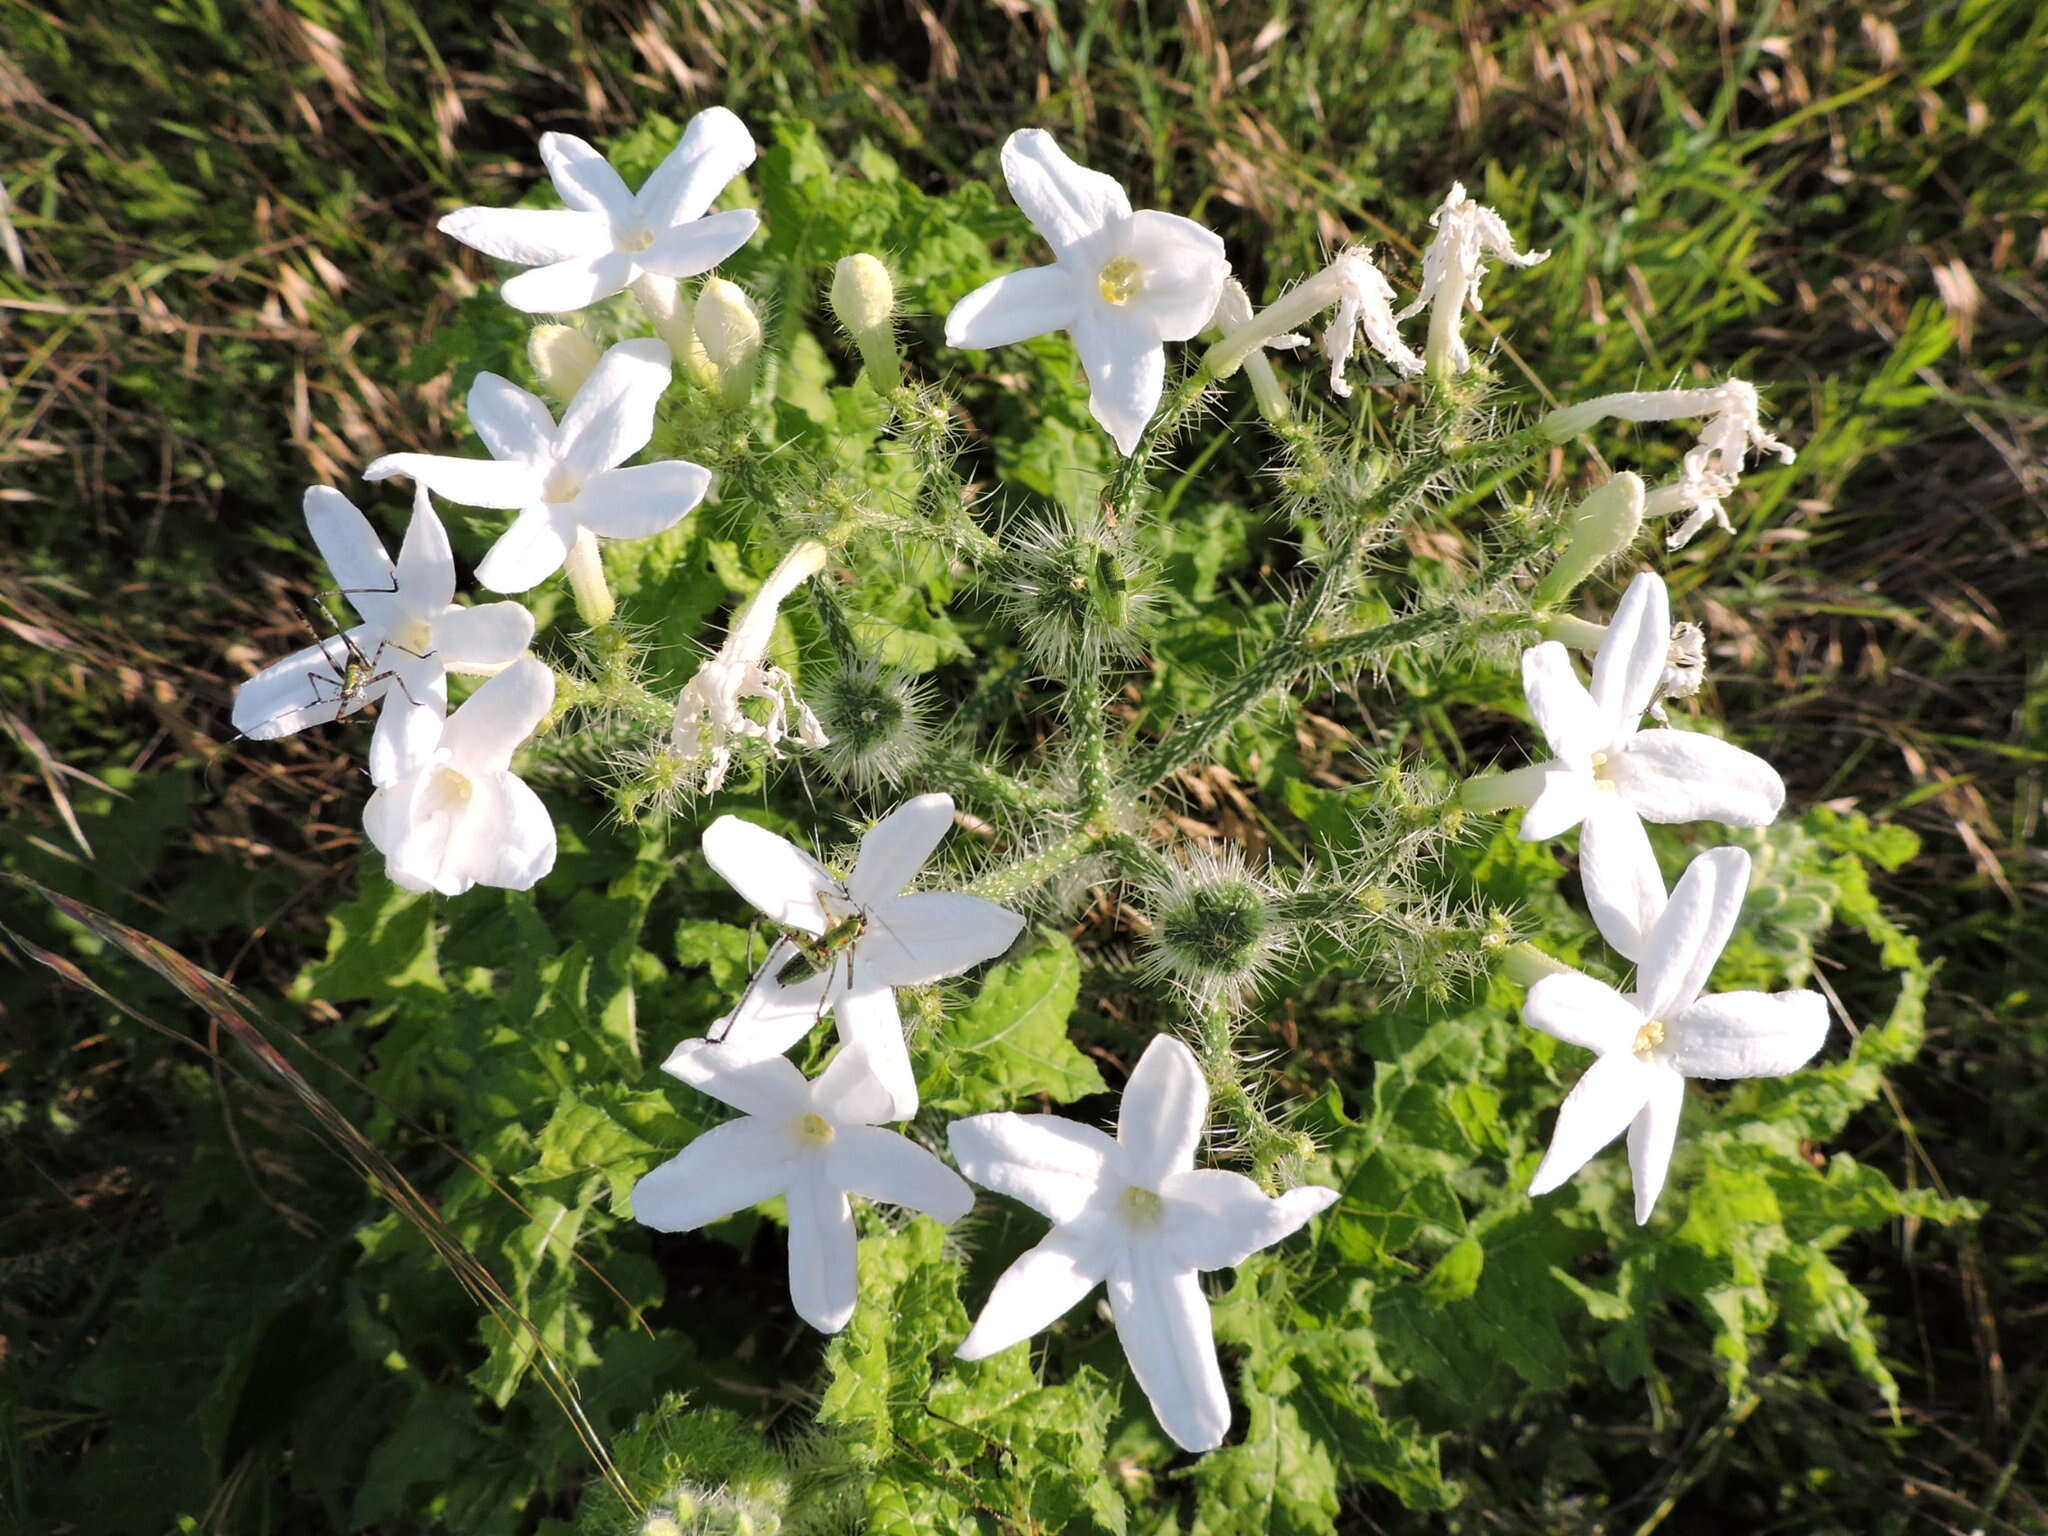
column 1130, row 1211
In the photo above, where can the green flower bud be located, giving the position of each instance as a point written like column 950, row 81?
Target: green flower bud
column 1605, row 524
column 729, row 327
column 864, row 300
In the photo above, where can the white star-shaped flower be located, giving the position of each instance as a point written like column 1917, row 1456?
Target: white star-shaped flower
column 413, row 633
column 1121, row 283
column 1610, row 776
column 607, row 236
column 1466, row 233
column 453, row 814
column 1651, row 1040
column 814, row 1143
column 1133, row 1213
column 565, row 479
column 711, row 713
column 850, row 943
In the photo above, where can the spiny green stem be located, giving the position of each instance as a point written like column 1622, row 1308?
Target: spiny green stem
column 1028, row 874
column 1265, row 1143
column 982, row 784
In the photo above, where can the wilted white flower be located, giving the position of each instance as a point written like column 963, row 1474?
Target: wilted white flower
column 814, row 1143
column 453, row 814
column 1685, row 668
column 1122, row 283
column 1132, row 1213
column 1734, row 427
column 849, row 943
column 1466, row 233
column 1650, row 1040
column 1365, row 307
column 1611, row 776
column 413, row 633
column 607, row 236
column 563, row 480
column 711, row 714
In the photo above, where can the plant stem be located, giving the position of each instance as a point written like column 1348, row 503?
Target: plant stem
column 1027, row 874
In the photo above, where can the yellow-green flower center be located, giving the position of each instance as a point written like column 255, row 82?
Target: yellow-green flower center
column 561, row 485
column 636, row 240
column 814, row 1129
column 1142, row 1206
column 1601, row 776
column 415, row 636
column 1649, row 1037
column 1121, row 280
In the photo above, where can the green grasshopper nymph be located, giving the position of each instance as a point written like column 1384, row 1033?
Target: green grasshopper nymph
column 814, row 955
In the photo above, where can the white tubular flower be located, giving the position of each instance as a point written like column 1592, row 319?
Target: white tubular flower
column 413, row 633
column 1234, row 311
column 1734, row 427
column 1611, row 776
column 1651, row 1040
column 1134, row 1213
column 607, row 236
column 455, row 815
column 1466, row 233
column 849, row 943
column 814, row 1143
column 565, row 479
column 1122, row 283
column 1365, row 307
column 711, row 713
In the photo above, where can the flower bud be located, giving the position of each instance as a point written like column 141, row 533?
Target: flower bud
column 729, row 327
column 864, row 300
column 1605, row 524
column 562, row 357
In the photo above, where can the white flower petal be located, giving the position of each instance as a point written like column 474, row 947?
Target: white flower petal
column 1055, row 1166
column 1042, row 1285
column 770, row 1018
column 1747, row 1034
column 612, row 416
column 824, row 1250
column 1164, row 1112
column 1618, row 868
column 352, row 550
column 779, row 878
column 302, row 689
column 1065, row 202
column 417, row 826
column 425, row 572
column 1651, row 1137
column 515, row 425
column 467, row 482
column 1565, row 799
column 694, row 249
column 1688, row 938
column 1631, row 659
column 1582, row 1011
column 1126, row 368
column 894, row 849
column 1598, row 1109
column 768, row 1086
column 1184, row 268
column 407, row 733
column 848, row 1092
column 868, row 1022
column 584, row 179
column 1162, row 1320
column 495, row 720
column 520, row 850
column 926, row 935
column 563, row 286
column 714, row 148
column 530, row 551
column 533, row 237
column 1015, row 307
column 488, row 635
column 727, row 1169
column 1565, row 712
column 1690, row 776
column 880, row 1165
column 1216, row 1219
column 639, row 502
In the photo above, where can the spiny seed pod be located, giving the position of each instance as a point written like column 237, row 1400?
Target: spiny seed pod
column 876, row 723
column 1216, row 926
column 1078, row 590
